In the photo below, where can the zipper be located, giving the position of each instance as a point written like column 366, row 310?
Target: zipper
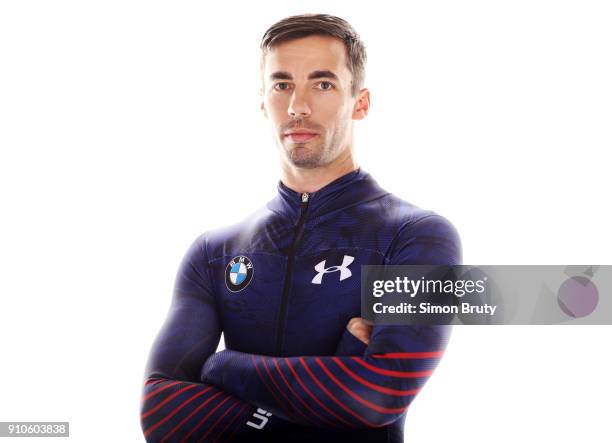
column 280, row 330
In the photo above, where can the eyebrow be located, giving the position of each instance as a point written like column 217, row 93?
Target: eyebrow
column 321, row 73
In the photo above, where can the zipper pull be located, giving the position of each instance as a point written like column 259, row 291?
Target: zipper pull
column 305, row 196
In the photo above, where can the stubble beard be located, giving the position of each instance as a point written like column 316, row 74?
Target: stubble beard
column 303, row 156
column 315, row 154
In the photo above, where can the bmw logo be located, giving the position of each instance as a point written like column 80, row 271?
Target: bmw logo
column 238, row 273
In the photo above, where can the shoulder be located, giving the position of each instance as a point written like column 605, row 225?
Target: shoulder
column 249, row 234
column 422, row 237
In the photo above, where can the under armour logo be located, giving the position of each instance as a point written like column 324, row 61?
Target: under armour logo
column 345, row 272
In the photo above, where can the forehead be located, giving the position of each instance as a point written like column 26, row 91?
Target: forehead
column 307, row 54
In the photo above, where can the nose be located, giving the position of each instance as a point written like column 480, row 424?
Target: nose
column 298, row 106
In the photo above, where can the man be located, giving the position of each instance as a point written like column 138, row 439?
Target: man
column 284, row 285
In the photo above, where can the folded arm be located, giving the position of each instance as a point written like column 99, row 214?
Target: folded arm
column 336, row 391
column 366, row 391
column 176, row 406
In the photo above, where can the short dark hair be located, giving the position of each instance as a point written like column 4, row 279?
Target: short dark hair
column 298, row 26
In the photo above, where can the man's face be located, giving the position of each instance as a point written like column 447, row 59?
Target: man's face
column 306, row 94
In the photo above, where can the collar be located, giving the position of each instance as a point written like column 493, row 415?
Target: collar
column 347, row 190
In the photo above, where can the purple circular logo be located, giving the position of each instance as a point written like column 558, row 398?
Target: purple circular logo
column 577, row 297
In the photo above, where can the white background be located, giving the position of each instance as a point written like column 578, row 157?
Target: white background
column 127, row 128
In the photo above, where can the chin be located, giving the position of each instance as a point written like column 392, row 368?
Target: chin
column 304, row 158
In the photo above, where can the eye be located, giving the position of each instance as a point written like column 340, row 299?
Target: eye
column 325, row 86
column 281, row 86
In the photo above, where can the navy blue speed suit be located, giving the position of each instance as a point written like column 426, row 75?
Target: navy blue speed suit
column 282, row 286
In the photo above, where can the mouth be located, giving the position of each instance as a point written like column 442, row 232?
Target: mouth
column 300, row 136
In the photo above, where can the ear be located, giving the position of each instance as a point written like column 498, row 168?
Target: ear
column 362, row 105
column 262, row 105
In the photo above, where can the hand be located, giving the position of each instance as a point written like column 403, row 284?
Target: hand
column 360, row 328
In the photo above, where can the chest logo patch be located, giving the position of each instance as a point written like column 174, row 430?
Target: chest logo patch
column 345, row 272
column 239, row 273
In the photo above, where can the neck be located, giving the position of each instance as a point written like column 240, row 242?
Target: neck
column 312, row 179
